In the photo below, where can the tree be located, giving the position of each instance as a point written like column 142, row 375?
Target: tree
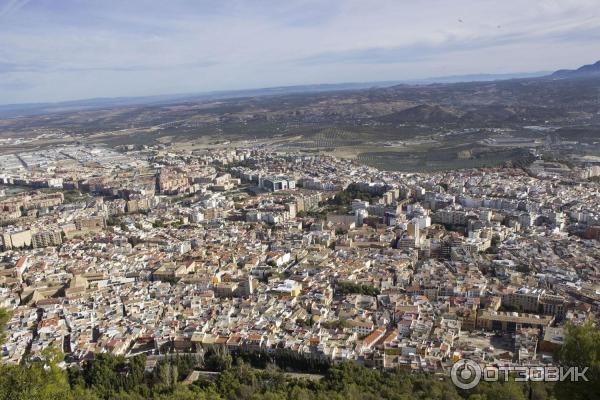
column 345, row 288
column 36, row 381
column 4, row 318
column 218, row 359
column 581, row 348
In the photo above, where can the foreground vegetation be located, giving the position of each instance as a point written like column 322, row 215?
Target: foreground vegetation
column 111, row 377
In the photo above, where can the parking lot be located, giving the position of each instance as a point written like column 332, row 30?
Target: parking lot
column 488, row 342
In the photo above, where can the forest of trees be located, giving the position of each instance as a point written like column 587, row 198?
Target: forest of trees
column 111, row 377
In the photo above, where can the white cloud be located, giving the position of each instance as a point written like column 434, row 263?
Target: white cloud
column 73, row 49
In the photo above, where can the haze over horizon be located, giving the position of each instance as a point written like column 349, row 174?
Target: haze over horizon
column 56, row 51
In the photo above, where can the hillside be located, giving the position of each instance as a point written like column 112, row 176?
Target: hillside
column 581, row 72
column 423, row 113
column 451, row 117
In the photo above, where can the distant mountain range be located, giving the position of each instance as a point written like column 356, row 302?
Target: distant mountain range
column 31, row 109
column 331, row 115
column 585, row 71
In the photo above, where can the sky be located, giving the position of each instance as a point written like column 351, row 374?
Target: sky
column 56, row 50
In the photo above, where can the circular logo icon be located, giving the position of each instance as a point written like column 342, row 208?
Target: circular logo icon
column 466, row 374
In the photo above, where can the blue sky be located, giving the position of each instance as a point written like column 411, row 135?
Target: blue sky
column 53, row 50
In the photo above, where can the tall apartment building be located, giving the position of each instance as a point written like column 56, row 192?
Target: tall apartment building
column 450, row 217
column 551, row 304
column 524, row 298
column 46, row 239
column 14, row 239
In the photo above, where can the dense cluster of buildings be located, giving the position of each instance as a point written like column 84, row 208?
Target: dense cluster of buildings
column 155, row 251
